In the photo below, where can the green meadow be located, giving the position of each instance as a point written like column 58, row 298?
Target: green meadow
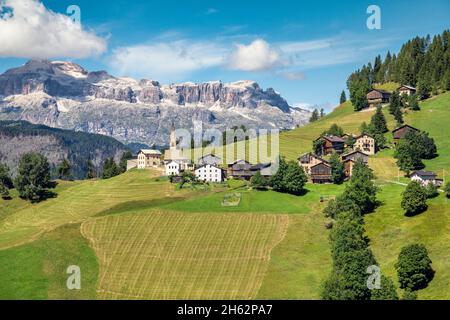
column 133, row 234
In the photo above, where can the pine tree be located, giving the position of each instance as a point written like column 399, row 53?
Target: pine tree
column 445, row 82
column 110, row 169
column 364, row 128
column 322, row 113
column 398, row 116
column 394, row 102
column 413, row 103
column 294, row 179
column 127, row 155
column 90, row 170
column 361, row 190
column 314, row 116
column 343, row 98
column 63, row 169
column 5, row 177
column 378, row 122
column 4, row 191
column 33, row 178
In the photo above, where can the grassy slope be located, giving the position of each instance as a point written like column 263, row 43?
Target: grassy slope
column 298, row 264
column 75, row 202
column 38, row 270
column 163, row 255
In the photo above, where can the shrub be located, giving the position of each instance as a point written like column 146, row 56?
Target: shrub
column 414, row 199
column 414, row 267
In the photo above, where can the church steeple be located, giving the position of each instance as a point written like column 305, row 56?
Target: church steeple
column 173, row 137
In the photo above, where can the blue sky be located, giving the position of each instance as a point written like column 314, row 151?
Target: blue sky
column 303, row 49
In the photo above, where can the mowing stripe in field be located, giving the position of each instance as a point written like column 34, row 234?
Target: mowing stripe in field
column 166, row 255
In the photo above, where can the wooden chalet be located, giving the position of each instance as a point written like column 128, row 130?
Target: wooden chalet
column 308, row 160
column 400, row 132
column 321, row 173
column 377, row 96
column 332, row 143
column 350, row 159
column 408, row 90
column 240, row 169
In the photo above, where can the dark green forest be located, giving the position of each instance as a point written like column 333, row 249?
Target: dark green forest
column 77, row 147
column 422, row 62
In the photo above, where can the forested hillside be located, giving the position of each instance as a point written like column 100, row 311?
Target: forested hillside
column 19, row 137
column 422, row 62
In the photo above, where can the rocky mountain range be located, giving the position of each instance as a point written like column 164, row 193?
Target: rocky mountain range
column 64, row 95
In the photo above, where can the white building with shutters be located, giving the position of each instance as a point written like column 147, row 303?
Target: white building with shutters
column 209, row 173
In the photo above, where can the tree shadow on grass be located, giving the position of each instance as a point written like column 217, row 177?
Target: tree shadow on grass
column 138, row 205
column 416, row 213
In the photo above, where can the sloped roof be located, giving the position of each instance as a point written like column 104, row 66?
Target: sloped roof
column 422, row 173
column 333, row 138
column 312, row 155
column 355, row 151
column 150, row 151
column 403, row 126
column 407, row 87
column 209, row 155
column 362, row 135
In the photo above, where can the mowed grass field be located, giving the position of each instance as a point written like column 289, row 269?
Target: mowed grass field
column 163, row 255
column 22, row 222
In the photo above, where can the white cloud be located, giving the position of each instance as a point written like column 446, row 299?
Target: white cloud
column 32, row 31
column 166, row 61
column 170, row 57
column 293, row 75
column 257, row 56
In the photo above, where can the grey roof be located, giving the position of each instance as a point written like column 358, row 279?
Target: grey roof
column 422, row 173
column 406, row 86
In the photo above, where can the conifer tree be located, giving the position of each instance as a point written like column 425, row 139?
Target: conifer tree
column 343, row 97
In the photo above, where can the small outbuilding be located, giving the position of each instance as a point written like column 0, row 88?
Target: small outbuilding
column 406, row 90
column 378, row 96
column 424, row 177
column 401, row 131
column 321, row 173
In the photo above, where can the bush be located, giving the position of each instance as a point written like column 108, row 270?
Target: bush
column 5, row 177
column 414, row 199
column 447, row 189
column 432, row 191
column 387, row 290
column 414, row 267
column 4, row 191
column 258, row 181
column 409, row 295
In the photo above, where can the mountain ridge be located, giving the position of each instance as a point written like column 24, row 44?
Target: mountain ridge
column 65, row 95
